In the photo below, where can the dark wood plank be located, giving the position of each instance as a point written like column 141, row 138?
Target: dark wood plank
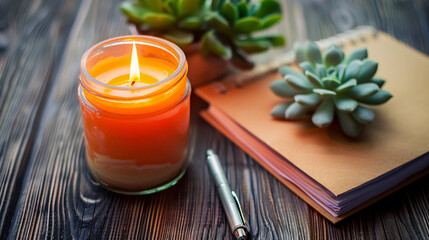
column 59, row 199
column 406, row 20
column 32, row 37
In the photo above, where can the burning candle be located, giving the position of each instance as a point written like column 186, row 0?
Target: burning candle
column 134, row 97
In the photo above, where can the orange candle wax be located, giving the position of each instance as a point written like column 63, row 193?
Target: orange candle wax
column 135, row 116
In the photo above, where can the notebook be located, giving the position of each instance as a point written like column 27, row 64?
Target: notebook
column 334, row 174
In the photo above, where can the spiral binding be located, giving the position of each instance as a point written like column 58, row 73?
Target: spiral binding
column 360, row 33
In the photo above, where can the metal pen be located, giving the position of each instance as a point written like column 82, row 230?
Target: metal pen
column 234, row 213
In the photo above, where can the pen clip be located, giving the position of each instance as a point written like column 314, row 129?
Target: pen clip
column 243, row 218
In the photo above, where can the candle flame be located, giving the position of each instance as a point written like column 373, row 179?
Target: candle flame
column 134, row 68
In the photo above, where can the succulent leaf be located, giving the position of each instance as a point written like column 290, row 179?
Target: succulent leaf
column 230, row 12
column 190, row 23
column 282, row 89
column 340, row 71
column 352, row 70
column 286, row 70
column 330, row 83
column 345, row 104
column 346, row 86
column 333, row 56
column 298, row 83
column 324, row 92
column 312, row 53
column 324, row 114
column 349, row 125
column 380, row 97
column 320, row 70
column 215, row 4
column 275, row 40
column 367, row 71
column 357, row 54
column 253, row 46
column 253, row 8
column 270, row 21
column 210, row 44
column 306, row 66
column 299, row 53
column 364, row 90
column 133, row 12
column 331, row 71
column 310, row 99
column 180, row 38
column 266, row 7
column 363, row 115
column 154, row 5
column 380, row 82
column 158, row 20
column 247, row 25
column 342, row 53
column 243, row 9
column 278, row 112
column 188, row 7
column 271, row 40
column 296, row 111
column 314, row 79
column 219, row 23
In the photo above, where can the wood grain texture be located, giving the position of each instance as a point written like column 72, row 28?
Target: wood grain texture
column 406, row 20
column 58, row 199
column 32, row 36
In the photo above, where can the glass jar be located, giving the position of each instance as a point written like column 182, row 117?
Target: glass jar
column 136, row 137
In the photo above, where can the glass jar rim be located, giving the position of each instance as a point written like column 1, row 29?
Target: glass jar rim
column 129, row 39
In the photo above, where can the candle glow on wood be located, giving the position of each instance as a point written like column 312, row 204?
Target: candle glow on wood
column 134, row 67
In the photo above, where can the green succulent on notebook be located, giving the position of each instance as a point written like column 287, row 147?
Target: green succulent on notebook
column 330, row 85
column 221, row 27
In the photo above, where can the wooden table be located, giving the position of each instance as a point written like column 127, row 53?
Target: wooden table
column 44, row 187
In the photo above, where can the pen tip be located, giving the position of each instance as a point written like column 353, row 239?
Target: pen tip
column 240, row 234
column 209, row 152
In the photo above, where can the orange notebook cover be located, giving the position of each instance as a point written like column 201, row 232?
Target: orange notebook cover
column 334, row 174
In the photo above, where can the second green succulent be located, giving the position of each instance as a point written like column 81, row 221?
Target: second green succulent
column 222, row 27
column 330, row 85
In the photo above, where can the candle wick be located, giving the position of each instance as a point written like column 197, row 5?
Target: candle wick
column 132, row 83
